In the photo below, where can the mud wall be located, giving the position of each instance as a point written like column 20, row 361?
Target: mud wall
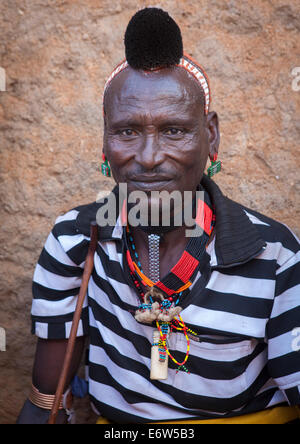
column 57, row 55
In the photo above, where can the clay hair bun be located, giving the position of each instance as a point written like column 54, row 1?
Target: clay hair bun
column 152, row 40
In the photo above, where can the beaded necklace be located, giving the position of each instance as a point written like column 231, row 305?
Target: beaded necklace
column 181, row 275
column 164, row 311
column 138, row 274
column 163, row 327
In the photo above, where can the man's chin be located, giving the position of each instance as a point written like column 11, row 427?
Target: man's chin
column 150, row 211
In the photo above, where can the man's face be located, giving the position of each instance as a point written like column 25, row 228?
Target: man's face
column 156, row 134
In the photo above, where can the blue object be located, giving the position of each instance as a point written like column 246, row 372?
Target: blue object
column 79, row 387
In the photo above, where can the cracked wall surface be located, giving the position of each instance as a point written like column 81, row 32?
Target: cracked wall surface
column 57, row 55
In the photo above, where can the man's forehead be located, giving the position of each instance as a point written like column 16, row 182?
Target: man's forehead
column 136, row 88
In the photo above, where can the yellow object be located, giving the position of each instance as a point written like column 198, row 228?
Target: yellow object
column 102, row 420
column 275, row 415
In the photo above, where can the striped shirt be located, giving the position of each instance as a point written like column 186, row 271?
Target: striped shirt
column 244, row 306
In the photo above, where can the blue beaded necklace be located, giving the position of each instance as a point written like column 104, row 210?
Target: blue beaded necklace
column 166, row 303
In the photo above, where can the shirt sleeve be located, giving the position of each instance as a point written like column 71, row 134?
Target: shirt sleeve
column 283, row 328
column 57, row 279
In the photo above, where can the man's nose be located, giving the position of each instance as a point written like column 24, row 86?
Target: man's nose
column 149, row 154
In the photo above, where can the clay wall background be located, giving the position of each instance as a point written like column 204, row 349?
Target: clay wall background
column 57, row 55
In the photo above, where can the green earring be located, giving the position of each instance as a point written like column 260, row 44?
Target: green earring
column 215, row 166
column 105, row 168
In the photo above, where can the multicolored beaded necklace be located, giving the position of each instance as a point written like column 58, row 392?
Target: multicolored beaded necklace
column 160, row 298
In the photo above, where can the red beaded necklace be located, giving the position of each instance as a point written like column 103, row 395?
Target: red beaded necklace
column 170, row 289
column 181, row 275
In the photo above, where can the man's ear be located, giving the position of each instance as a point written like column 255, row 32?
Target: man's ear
column 213, row 134
column 104, row 135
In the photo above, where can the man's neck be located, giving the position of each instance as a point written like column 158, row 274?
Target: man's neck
column 171, row 247
column 168, row 238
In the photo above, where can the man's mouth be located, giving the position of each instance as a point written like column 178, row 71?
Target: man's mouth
column 150, row 181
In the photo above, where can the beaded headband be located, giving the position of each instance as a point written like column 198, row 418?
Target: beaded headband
column 185, row 62
column 153, row 41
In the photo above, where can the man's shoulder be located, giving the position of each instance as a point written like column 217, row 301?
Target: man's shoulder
column 77, row 220
column 272, row 230
column 70, row 238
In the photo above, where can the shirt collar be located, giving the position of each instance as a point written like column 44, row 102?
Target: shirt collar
column 236, row 238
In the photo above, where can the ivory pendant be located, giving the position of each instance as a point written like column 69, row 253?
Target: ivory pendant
column 159, row 369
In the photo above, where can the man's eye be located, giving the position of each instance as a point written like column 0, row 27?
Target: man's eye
column 128, row 132
column 173, row 132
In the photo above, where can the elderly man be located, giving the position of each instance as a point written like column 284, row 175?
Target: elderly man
column 182, row 327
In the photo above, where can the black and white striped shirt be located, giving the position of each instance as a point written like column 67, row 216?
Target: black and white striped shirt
column 244, row 305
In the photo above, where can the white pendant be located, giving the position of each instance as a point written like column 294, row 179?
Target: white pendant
column 159, row 369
